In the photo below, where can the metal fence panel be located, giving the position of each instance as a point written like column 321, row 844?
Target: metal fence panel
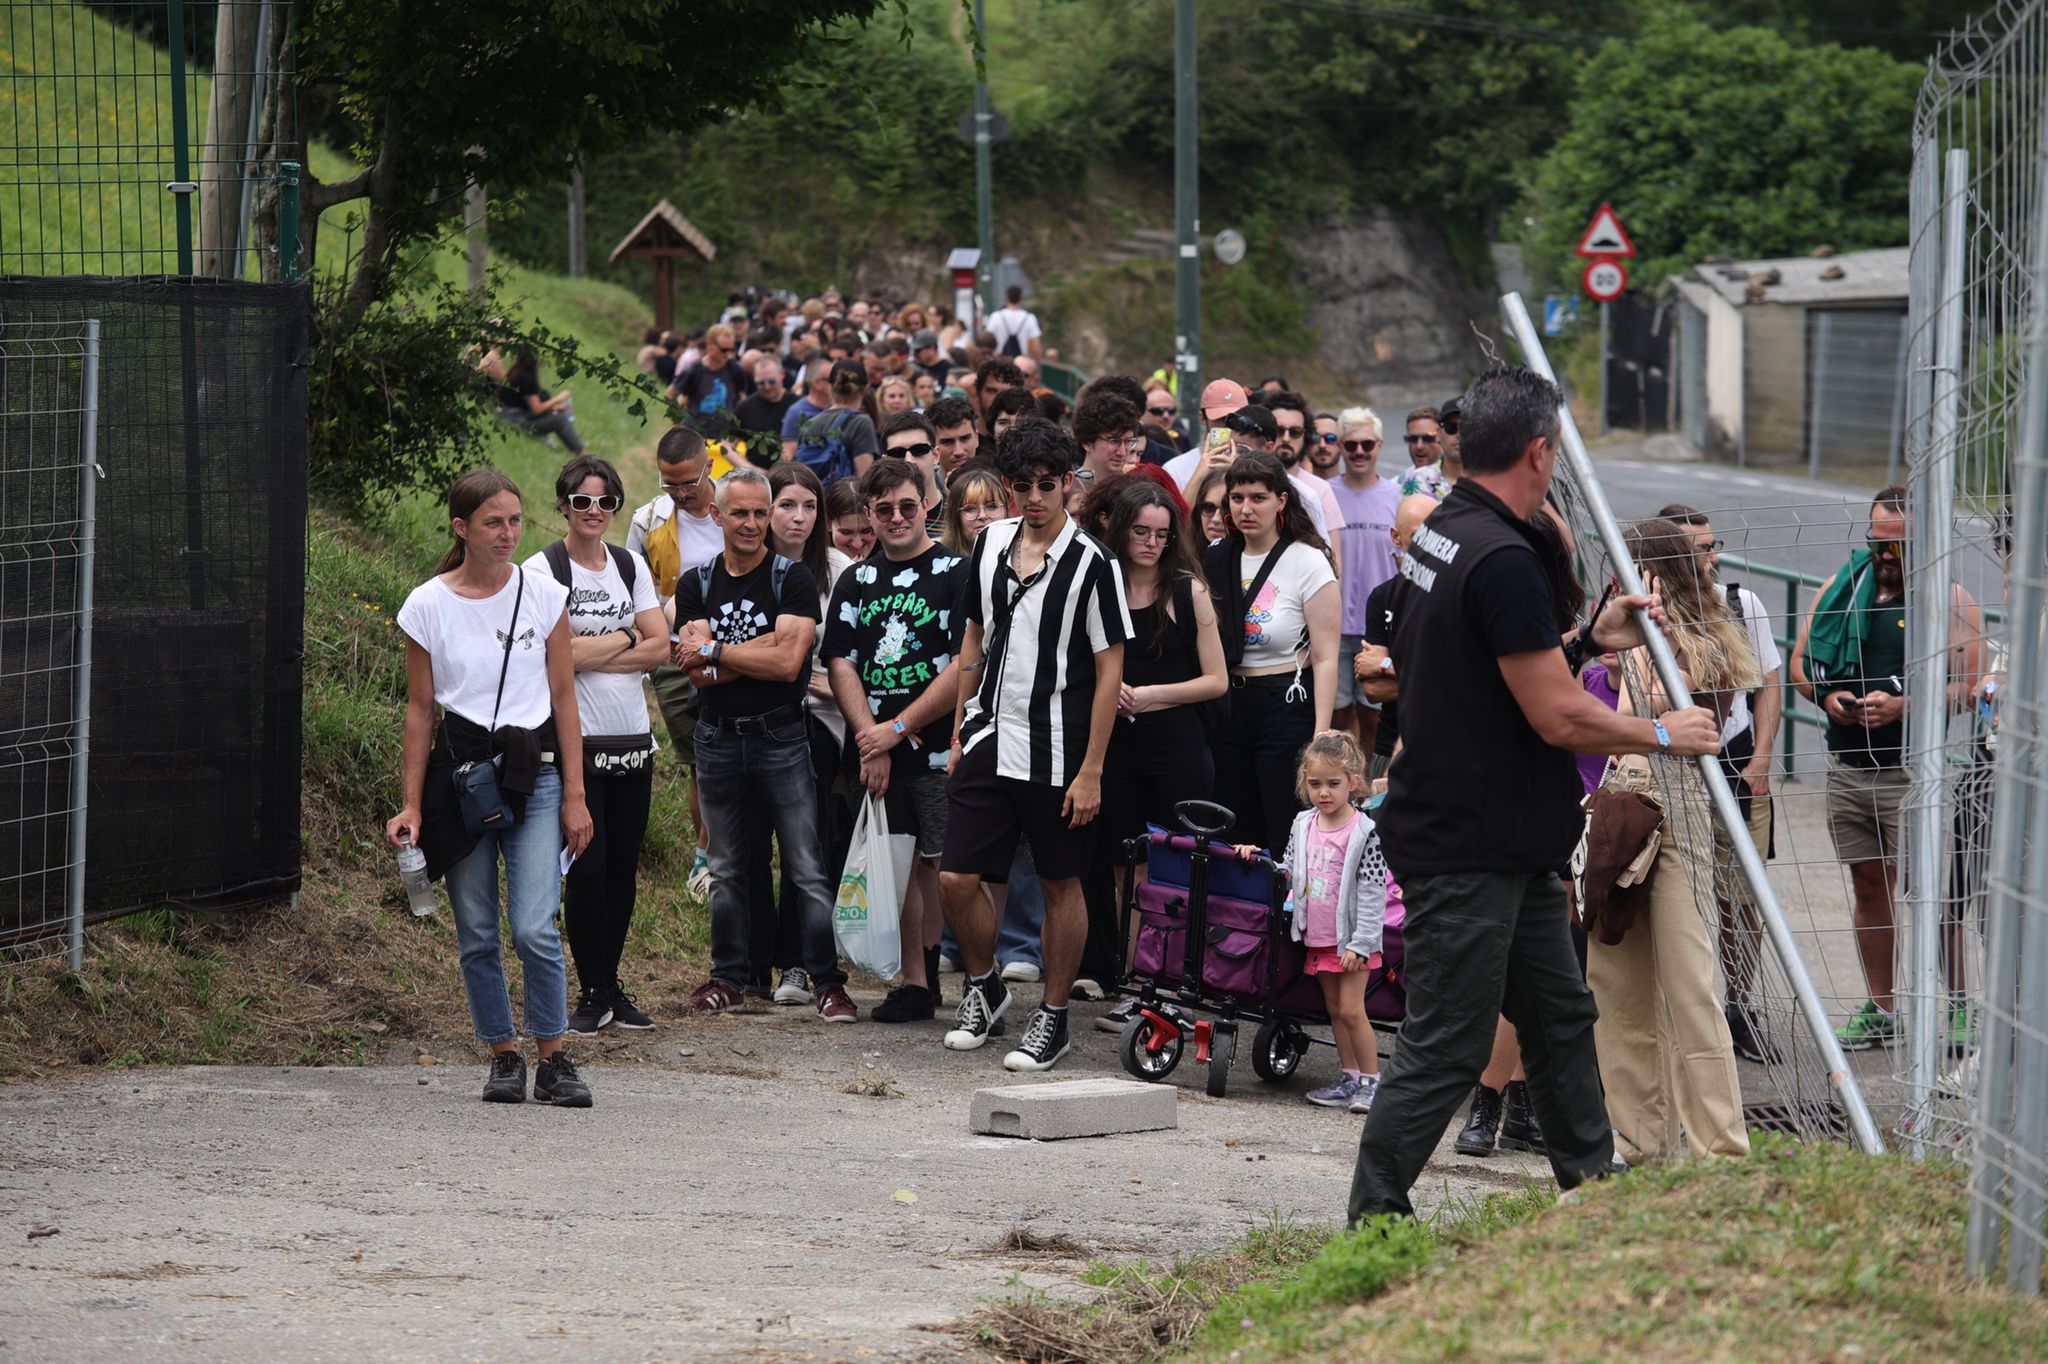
column 49, row 396
column 1973, row 946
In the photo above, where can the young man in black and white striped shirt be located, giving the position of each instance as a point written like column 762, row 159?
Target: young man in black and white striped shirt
column 1043, row 660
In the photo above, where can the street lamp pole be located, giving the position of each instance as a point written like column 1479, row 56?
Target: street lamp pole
column 1187, row 221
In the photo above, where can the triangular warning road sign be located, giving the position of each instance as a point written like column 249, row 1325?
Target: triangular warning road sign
column 1604, row 236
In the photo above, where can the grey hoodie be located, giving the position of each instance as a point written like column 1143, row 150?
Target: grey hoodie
column 1362, row 894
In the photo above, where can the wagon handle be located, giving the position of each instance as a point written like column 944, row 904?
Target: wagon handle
column 1204, row 817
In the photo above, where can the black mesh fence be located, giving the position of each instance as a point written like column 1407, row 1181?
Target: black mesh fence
column 199, row 583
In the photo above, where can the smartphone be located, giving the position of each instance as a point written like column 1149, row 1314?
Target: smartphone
column 1219, row 437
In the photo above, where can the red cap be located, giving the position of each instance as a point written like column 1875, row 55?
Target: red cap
column 1221, row 398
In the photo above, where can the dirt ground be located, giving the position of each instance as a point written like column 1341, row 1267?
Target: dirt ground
column 734, row 1195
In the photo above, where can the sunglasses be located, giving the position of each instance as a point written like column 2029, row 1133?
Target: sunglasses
column 1887, row 549
column 594, row 501
column 678, row 488
column 1160, row 411
column 1360, row 447
column 1209, row 508
column 1420, row 440
column 1043, row 485
column 906, row 510
column 917, row 451
column 1327, row 437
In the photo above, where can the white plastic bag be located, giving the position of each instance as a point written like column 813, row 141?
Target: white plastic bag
column 869, row 906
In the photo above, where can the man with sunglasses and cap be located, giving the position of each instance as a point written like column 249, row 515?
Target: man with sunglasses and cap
column 1447, row 418
column 1850, row 660
column 1042, row 663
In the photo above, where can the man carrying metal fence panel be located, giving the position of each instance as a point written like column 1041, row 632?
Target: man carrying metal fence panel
column 1482, row 811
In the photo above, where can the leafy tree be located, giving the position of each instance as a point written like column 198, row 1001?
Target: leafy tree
column 1731, row 142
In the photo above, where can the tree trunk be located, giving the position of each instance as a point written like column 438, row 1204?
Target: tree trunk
column 225, row 144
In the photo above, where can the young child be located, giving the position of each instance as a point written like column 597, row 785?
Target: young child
column 1338, row 890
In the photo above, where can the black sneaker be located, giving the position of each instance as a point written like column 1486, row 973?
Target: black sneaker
column 1114, row 1020
column 906, row 1004
column 981, row 1011
column 625, row 1013
column 593, row 1010
column 795, row 986
column 1518, row 1129
column 1483, row 1126
column 507, row 1084
column 1745, row 1030
column 1045, row 1041
column 556, row 1082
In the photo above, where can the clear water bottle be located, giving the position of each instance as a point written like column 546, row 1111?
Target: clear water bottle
column 412, row 871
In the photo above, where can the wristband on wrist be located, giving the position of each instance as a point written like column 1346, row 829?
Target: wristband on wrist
column 1663, row 736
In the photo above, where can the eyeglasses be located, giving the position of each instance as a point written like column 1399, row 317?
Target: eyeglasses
column 678, row 489
column 1420, row 440
column 917, row 451
column 589, row 501
column 1043, row 485
column 1887, row 549
column 1360, row 447
column 1714, row 546
column 1209, row 508
column 907, row 510
column 1146, row 535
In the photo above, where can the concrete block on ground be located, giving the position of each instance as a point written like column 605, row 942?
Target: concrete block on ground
column 1095, row 1107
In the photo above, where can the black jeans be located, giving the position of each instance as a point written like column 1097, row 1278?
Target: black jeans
column 1479, row 945
column 602, row 884
column 1257, row 755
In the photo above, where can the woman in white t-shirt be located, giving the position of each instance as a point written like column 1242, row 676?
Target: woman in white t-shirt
column 618, row 633
column 490, row 645
column 798, row 531
column 1277, row 606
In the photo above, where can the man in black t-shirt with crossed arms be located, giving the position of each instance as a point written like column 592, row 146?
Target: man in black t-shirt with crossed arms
column 1482, row 809
column 746, row 621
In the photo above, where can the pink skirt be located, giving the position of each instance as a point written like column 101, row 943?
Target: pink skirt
column 1324, row 960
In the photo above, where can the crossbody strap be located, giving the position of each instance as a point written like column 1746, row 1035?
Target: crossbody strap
column 518, row 596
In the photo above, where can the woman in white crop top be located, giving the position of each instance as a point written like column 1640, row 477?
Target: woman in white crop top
column 1277, row 605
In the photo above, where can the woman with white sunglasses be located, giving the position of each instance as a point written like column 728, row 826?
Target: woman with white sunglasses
column 617, row 633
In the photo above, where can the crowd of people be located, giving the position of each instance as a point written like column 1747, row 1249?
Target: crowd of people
column 878, row 573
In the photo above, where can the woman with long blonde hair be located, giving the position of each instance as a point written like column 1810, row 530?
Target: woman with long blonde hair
column 1666, row 1058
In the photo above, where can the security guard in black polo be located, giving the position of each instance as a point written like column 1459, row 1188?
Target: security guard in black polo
column 1482, row 809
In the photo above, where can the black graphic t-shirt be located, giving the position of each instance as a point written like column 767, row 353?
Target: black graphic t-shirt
column 900, row 624
column 713, row 398
column 743, row 609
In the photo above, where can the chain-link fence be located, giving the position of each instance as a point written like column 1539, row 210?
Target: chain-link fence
column 148, row 138
column 1973, row 955
column 49, row 405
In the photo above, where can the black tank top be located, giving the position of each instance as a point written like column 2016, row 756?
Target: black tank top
column 1178, row 657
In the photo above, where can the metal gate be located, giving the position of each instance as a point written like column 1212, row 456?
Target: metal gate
column 49, row 408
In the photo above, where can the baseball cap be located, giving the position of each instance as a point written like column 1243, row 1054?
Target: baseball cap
column 923, row 339
column 1448, row 414
column 1222, row 397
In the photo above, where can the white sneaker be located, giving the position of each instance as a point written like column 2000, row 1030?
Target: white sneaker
column 1088, row 990
column 949, row 966
column 699, row 882
column 1021, row 970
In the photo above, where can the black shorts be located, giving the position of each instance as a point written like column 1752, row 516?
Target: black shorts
column 917, row 806
column 989, row 812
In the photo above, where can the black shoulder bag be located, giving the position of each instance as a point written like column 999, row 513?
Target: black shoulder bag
column 476, row 783
column 1231, row 596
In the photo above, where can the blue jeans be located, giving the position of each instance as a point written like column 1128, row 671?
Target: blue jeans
column 1023, row 922
column 533, row 877
column 769, row 774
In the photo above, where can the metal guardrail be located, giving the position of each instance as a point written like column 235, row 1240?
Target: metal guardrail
column 1798, row 710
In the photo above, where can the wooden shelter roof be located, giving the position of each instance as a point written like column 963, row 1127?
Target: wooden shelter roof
column 663, row 232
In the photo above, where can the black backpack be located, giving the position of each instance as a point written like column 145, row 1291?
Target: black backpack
column 557, row 556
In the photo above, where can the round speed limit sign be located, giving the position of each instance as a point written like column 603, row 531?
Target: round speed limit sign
column 1605, row 280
